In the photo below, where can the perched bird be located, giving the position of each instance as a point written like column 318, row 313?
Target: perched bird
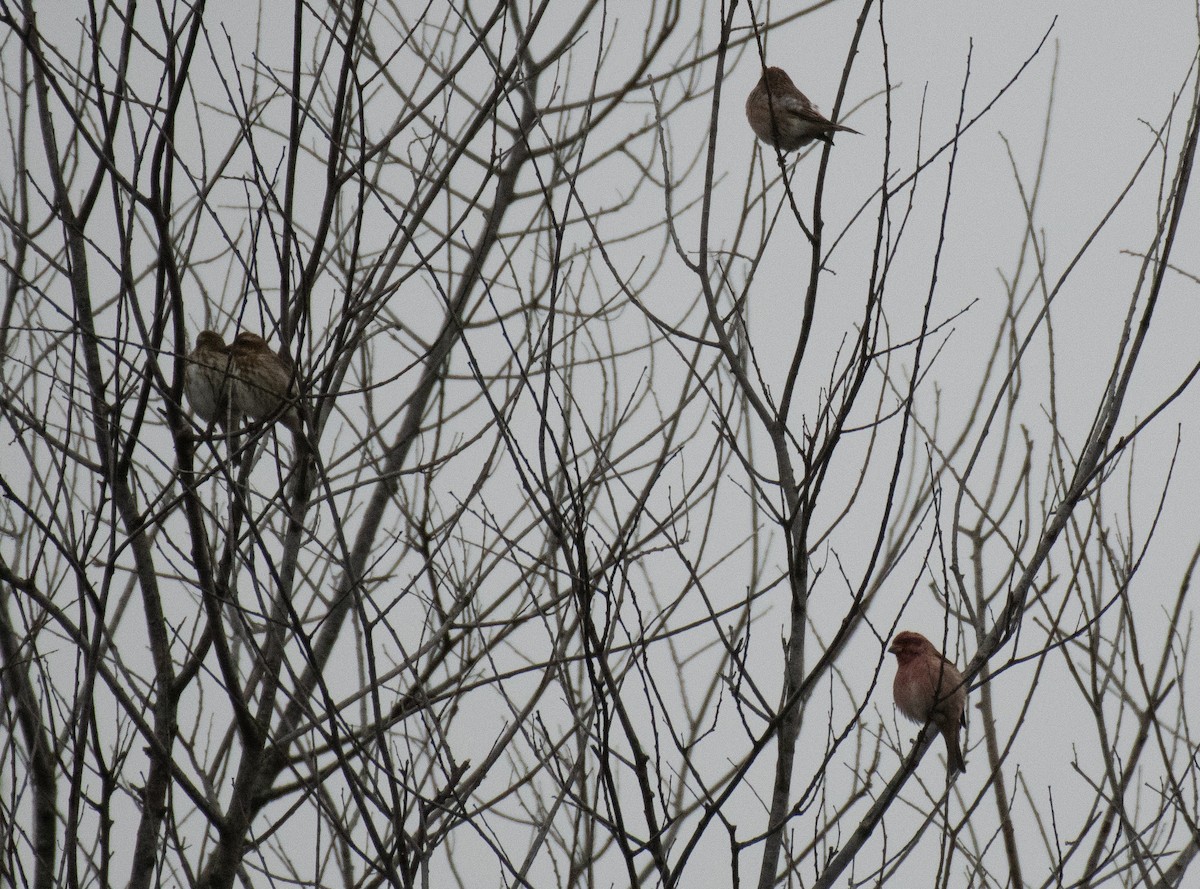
column 263, row 387
column 207, row 379
column 782, row 116
column 928, row 688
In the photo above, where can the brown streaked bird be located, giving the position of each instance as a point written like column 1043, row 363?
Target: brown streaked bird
column 796, row 120
column 264, row 387
column 207, row 378
column 928, row 688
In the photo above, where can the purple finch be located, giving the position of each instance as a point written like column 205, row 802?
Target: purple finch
column 928, row 688
column 208, row 380
column 264, row 389
column 782, row 116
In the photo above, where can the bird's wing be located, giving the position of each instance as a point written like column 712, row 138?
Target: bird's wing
column 803, row 109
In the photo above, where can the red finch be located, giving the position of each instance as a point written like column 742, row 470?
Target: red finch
column 264, row 382
column 782, row 116
column 207, row 379
column 928, row 688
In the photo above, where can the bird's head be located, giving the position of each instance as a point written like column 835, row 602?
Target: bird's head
column 777, row 79
column 247, row 340
column 908, row 645
column 209, row 339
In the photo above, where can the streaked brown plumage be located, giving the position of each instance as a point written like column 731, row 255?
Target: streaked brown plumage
column 796, row 120
column 928, row 688
column 264, row 382
column 207, row 379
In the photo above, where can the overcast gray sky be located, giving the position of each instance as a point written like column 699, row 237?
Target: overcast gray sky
column 1115, row 70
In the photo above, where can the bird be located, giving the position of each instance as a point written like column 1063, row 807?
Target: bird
column 264, row 387
column 782, row 116
column 928, row 688
column 208, row 380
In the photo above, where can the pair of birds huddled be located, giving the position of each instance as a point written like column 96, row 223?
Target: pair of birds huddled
column 783, row 117
column 224, row 383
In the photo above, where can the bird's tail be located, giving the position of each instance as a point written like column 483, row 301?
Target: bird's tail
column 954, row 755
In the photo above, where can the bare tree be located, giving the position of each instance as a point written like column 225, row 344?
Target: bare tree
column 582, row 562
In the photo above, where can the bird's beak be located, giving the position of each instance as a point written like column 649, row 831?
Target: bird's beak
column 892, row 648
